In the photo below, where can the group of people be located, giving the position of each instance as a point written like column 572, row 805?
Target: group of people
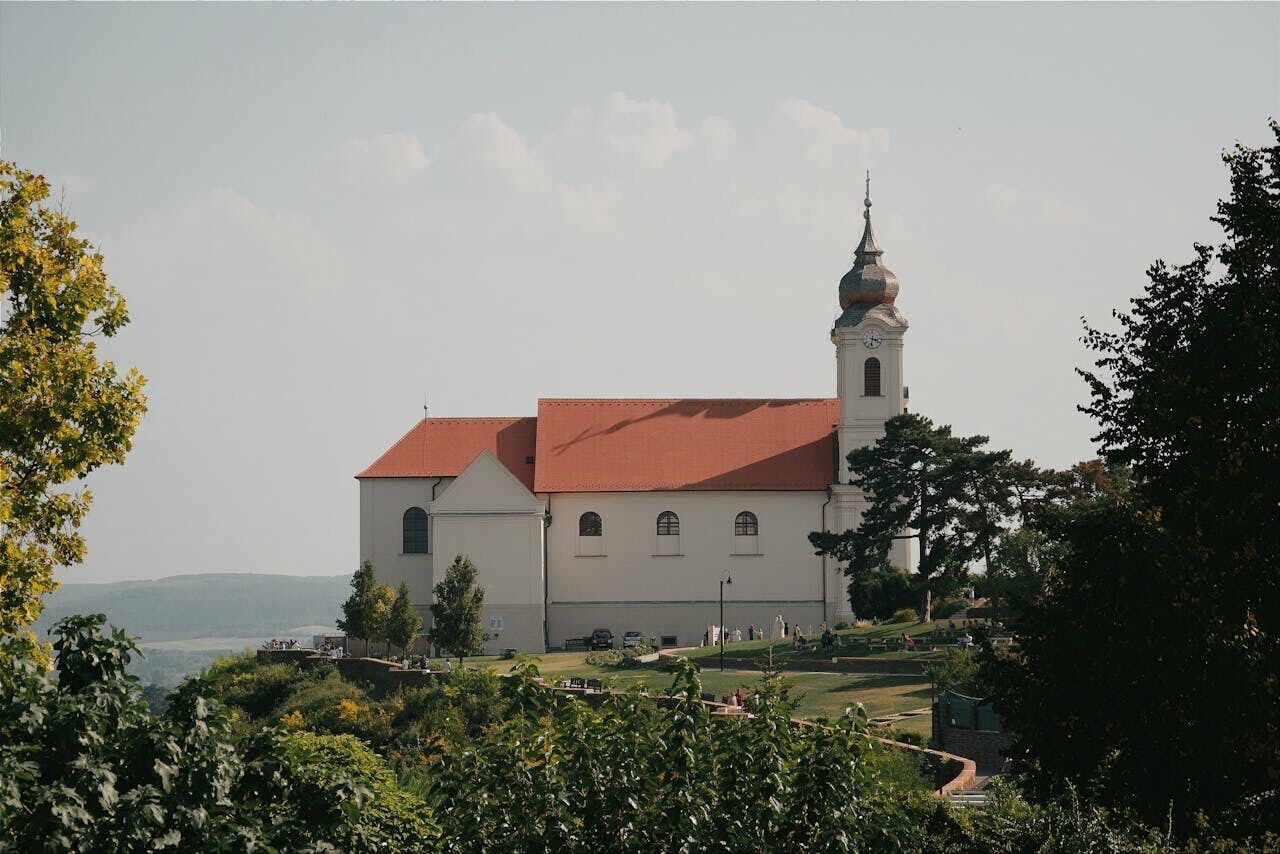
column 423, row 663
column 830, row 640
column 274, row 643
column 332, row 650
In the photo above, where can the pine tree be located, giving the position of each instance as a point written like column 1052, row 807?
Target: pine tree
column 456, row 613
column 946, row 488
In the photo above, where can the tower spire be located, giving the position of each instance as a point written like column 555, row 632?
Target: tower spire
column 868, row 245
column 869, row 284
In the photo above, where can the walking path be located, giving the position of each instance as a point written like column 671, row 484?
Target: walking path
column 898, row 717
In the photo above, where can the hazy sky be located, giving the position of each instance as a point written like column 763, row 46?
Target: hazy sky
column 318, row 214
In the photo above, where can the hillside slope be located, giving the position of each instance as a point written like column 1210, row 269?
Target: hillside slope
column 233, row 605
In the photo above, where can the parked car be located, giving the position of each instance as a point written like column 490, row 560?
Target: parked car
column 602, row 639
column 632, row 639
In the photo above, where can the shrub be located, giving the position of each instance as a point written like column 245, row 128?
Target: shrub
column 905, row 615
column 603, row 658
column 314, row 697
column 958, row 670
column 389, row 818
column 85, row 766
column 258, row 692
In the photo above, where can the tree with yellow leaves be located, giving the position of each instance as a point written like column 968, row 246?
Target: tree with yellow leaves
column 64, row 411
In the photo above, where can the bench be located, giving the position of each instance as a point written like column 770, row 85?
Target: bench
column 595, row 685
column 575, row 643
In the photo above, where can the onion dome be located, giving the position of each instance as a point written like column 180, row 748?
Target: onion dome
column 869, row 284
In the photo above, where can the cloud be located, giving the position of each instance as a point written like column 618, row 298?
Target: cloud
column 821, row 136
column 1016, row 207
column 642, row 132
column 630, row 165
column 389, row 159
column 242, row 243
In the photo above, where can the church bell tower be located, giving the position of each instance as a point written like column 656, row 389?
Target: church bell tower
column 868, row 336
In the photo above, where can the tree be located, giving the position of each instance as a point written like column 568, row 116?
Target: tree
column 918, row 476
column 85, row 766
column 357, row 610
column 880, row 591
column 64, row 412
column 384, row 596
column 1147, row 669
column 456, row 613
column 404, row 621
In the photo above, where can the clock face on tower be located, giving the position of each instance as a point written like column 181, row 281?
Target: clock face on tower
column 871, row 339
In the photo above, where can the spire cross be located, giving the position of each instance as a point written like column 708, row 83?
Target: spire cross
column 867, row 213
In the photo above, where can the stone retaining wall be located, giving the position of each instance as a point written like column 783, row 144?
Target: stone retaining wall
column 985, row 748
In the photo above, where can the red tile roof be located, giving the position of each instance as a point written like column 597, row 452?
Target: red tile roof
column 647, row 445
column 443, row 447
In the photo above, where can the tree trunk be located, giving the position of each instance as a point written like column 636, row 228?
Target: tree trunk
column 928, row 605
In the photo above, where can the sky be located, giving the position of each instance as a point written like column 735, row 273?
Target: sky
column 323, row 215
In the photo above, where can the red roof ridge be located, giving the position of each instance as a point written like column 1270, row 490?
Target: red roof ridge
column 479, row 419
column 600, row 400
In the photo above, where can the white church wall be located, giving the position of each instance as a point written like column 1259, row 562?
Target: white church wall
column 489, row 516
column 635, row 583
column 507, row 552
column 383, row 501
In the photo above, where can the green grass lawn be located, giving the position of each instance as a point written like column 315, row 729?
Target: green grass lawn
column 784, row 651
column 818, row 694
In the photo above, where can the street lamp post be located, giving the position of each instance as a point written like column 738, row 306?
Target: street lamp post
column 725, row 578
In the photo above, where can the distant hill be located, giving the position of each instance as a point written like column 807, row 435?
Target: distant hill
column 185, row 622
column 230, row 605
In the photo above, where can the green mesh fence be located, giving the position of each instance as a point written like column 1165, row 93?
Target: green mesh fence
column 963, row 712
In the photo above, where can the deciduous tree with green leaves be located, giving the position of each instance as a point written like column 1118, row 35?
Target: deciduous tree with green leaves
column 403, row 622
column 85, row 766
column 64, row 411
column 384, row 596
column 1147, row 670
column 357, row 610
column 457, row 611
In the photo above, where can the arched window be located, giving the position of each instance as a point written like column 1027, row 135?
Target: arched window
column 746, row 525
column 668, row 524
column 415, row 531
column 589, row 525
column 871, row 377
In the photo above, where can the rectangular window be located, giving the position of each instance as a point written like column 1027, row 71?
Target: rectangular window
column 495, row 624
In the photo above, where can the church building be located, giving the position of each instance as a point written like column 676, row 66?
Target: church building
column 627, row 514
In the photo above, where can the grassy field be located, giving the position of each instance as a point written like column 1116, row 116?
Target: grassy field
column 818, row 694
column 784, row 651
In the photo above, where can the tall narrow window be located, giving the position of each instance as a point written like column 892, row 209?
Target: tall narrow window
column 871, row 377
column 589, row 525
column 415, row 531
column 668, row 524
column 746, row 525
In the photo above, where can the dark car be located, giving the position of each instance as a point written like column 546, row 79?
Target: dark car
column 602, row 639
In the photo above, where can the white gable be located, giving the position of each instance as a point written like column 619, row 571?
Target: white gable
column 486, row 486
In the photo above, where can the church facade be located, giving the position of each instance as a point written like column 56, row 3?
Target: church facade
column 627, row 514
